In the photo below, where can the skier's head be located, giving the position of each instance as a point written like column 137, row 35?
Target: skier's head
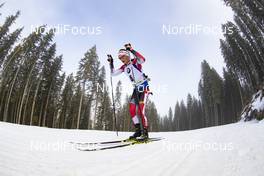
column 124, row 56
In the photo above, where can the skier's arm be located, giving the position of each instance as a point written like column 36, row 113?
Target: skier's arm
column 139, row 58
column 117, row 71
column 111, row 63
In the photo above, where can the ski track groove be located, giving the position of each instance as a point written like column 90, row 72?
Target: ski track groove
column 135, row 163
column 172, row 167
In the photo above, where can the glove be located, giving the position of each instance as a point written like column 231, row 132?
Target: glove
column 110, row 60
column 128, row 46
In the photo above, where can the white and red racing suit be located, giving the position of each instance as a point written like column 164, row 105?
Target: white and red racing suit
column 134, row 71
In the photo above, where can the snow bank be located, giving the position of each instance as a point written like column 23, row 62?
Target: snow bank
column 255, row 109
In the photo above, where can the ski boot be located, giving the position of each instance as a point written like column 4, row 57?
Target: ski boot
column 144, row 136
column 137, row 132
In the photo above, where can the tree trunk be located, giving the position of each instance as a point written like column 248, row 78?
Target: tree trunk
column 46, row 106
column 40, row 114
column 24, row 92
column 4, row 94
column 34, row 101
column 9, row 95
column 26, row 104
column 95, row 110
column 80, row 107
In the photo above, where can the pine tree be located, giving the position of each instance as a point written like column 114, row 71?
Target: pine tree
column 211, row 93
column 189, row 111
column 152, row 116
column 40, row 84
column 170, row 117
column 183, row 116
column 73, row 114
column 118, row 95
column 125, row 117
column 53, row 85
column 176, row 118
column 13, row 77
column 66, row 101
column 103, row 115
column 232, row 98
column 243, row 48
column 87, row 75
column 7, row 39
column 108, row 121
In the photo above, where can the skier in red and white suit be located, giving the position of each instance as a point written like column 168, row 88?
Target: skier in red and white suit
column 133, row 69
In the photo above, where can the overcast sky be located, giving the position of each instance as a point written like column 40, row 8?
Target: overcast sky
column 163, row 31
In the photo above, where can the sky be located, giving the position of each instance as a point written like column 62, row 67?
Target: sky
column 173, row 36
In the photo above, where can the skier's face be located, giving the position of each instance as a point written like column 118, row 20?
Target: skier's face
column 125, row 59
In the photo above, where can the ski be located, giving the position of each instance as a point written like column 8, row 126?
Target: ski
column 130, row 143
column 111, row 142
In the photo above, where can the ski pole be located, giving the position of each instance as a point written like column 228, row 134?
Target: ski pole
column 113, row 98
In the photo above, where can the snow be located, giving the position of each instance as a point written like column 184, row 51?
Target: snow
column 258, row 103
column 229, row 150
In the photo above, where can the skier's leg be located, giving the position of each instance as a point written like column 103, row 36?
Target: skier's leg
column 132, row 109
column 142, row 114
column 141, row 111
